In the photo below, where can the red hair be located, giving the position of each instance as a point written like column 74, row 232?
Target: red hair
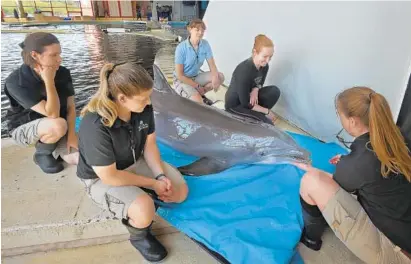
column 262, row 41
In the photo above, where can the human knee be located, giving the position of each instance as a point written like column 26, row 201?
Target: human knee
column 142, row 211
column 221, row 77
column 197, row 98
column 183, row 193
column 72, row 158
column 56, row 127
column 309, row 183
column 275, row 92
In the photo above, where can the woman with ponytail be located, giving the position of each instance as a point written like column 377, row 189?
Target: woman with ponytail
column 246, row 95
column 120, row 162
column 367, row 202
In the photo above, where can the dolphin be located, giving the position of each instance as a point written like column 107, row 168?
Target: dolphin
column 220, row 139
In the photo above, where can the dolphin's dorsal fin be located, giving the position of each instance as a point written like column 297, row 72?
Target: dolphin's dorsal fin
column 204, row 166
column 160, row 81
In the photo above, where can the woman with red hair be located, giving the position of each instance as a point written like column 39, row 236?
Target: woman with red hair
column 246, row 95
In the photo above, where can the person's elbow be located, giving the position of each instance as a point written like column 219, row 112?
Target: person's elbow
column 180, row 75
column 150, row 143
column 179, row 72
column 109, row 179
column 108, row 175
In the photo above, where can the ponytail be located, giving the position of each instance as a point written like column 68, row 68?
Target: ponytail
column 101, row 103
column 386, row 138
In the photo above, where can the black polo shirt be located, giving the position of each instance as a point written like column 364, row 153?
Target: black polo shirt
column 387, row 201
column 100, row 145
column 245, row 77
column 25, row 88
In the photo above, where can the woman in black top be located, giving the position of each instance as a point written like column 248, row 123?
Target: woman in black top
column 120, row 162
column 246, row 95
column 376, row 225
column 42, row 110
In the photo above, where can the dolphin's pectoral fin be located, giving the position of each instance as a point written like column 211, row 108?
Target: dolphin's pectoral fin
column 204, row 166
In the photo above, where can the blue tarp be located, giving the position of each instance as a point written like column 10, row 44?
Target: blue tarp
column 248, row 213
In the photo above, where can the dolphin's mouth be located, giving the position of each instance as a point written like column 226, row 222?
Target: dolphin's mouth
column 299, row 157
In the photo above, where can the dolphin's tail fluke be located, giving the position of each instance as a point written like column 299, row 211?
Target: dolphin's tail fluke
column 204, row 166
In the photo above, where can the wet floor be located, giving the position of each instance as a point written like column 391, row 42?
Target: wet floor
column 84, row 50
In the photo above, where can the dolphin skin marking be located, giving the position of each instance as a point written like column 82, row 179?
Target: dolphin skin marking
column 220, row 139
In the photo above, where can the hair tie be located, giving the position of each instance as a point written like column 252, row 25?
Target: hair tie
column 370, row 95
column 112, row 69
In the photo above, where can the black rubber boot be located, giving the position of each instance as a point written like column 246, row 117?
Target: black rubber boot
column 314, row 226
column 142, row 239
column 43, row 157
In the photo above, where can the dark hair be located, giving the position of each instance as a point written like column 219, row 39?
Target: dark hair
column 386, row 139
column 197, row 23
column 126, row 78
column 36, row 42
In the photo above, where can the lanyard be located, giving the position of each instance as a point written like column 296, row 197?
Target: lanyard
column 195, row 49
column 132, row 143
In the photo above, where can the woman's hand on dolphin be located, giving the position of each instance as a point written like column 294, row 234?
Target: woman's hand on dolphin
column 310, row 169
column 254, row 97
column 303, row 166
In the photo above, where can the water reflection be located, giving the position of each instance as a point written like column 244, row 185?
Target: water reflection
column 84, row 52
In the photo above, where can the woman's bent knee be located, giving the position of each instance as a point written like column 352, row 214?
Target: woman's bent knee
column 183, row 193
column 275, row 92
column 197, row 98
column 142, row 211
column 55, row 127
column 319, row 187
column 309, row 182
column 221, row 77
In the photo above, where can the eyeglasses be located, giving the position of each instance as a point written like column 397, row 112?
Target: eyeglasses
column 341, row 139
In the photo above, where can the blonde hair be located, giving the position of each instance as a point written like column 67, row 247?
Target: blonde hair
column 386, row 139
column 128, row 79
column 197, row 23
column 262, row 41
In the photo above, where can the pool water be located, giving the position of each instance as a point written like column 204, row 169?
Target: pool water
column 85, row 48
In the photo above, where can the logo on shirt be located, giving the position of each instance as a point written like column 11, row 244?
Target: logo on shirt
column 142, row 126
column 258, row 81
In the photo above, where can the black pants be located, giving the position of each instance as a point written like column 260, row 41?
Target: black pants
column 267, row 97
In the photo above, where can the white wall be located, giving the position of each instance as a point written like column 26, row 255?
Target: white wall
column 320, row 49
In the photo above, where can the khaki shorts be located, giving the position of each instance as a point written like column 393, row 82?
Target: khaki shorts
column 351, row 224
column 187, row 91
column 117, row 200
column 27, row 136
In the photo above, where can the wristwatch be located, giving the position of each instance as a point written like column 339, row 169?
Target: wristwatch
column 159, row 176
column 268, row 111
